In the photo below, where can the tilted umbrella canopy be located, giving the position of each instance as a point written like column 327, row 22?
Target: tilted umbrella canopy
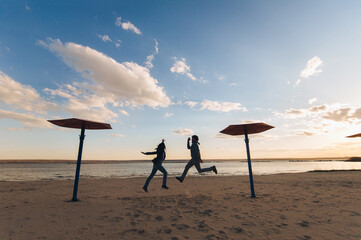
column 81, row 124
column 355, row 135
column 251, row 128
column 245, row 129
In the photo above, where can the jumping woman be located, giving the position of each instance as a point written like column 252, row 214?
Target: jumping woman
column 196, row 159
column 157, row 165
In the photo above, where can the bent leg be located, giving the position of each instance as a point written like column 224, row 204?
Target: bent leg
column 188, row 166
column 200, row 170
column 150, row 176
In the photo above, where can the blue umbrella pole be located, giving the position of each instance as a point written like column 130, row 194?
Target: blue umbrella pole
column 78, row 163
column 253, row 195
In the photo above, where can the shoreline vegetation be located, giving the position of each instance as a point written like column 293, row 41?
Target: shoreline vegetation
column 345, row 159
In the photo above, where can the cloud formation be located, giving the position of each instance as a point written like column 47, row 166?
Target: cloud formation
column 321, row 119
column 167, row 115
column 150, row 58
column 26, row 119
column 23, row 97
column 312, row 101
column 117, row 135
column 334, row 112
column 216, row 106
column 181, row 67
column 191, row 104
column 311, row 69
column 128, row 26
column 110, row 82
column 183, row 132
column 105, row 38
column 222, row 106
column 125, row 113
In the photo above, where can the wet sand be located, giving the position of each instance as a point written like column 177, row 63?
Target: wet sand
column 317, row 205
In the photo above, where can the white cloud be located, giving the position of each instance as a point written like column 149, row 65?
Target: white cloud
column 181, row 67
column 297, row 83
column 27, row 8
column 191, row 104
column 105, row 38
column 183, row 132
column 220, row 77
column 150, row 58
column 312, row 101
column 233, row 84
column 311, row 67
column 26, row 119
column 125, row 113
column 305, row 133
column 19, row 129
column 319, row 108
column 156, row 46
column 226, row 136
column 127, row 26
column 117, row 135
column 21, row 96
column 79, row 103
column 167, row 115
column 111, row 82
column 334, row 112
column 343, row 114
column 221, row 106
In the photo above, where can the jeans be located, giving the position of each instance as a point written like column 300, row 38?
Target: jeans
column 157, row 167
column 198, row 167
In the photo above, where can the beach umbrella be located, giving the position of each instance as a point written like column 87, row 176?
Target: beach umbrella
column 79, row 124
column 245, row 129
column 355, row 135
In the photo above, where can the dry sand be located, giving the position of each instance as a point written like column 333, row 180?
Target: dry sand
column 318, row 205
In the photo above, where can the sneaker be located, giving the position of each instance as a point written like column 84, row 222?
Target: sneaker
column 215, row 170
column 145, row 189
column 179, row 179
column 165, row 187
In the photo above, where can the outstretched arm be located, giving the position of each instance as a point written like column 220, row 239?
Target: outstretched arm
column 188, row 145
column 149, row 153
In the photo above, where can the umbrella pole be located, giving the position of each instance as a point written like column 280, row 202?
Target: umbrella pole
column 249, row 164
column 78, row 163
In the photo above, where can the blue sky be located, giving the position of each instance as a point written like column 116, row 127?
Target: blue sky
column 170, row 69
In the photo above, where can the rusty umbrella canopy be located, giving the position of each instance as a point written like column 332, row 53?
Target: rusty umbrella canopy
column 245, row 129
column 79, row 124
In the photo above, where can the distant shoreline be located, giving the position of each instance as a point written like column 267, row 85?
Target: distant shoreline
column 2, row 161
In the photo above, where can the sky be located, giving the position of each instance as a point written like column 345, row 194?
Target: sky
column 171, row 69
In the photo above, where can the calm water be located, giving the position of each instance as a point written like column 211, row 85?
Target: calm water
column 51, row 171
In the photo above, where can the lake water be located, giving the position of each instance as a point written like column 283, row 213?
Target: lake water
column 52, row 171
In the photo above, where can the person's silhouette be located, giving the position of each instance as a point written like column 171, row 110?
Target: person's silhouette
column 157, row 165
column 196, row 159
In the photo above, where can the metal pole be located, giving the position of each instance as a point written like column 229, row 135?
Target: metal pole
column 249, row 163
column 78, row 163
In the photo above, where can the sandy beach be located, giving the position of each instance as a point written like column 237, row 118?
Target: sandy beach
column 314, row 205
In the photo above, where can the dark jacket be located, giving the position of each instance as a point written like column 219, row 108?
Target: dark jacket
column 195, row 154
column 160, row 156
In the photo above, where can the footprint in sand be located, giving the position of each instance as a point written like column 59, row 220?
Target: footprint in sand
column 304, row 237
column 165, row 230
column 181, row 226
column 303, row 224
column 237, row 229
